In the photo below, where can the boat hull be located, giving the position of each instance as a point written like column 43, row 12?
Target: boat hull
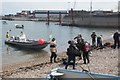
column 33, row 45
column 19, row 27
column 75, row 74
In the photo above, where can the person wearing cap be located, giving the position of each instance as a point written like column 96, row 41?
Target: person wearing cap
column 53, row 50
column 116, row 37
column 71, row 54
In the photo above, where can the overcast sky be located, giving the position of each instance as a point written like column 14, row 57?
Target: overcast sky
column 13, row 6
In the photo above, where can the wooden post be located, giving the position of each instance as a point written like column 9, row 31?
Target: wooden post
column 72, row 15
column 60, row 18
column 90, row 23
column 118, row 15
column 82, row 15
column 48, row 17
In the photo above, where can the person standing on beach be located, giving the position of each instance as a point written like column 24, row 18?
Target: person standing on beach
column 116, row 37
column 93, row 36
column 53, row 50
column 71, row 54
column 79, row 38
column 79, row 44
column 86, row 52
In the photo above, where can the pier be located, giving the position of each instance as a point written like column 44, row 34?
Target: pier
column 79, row 18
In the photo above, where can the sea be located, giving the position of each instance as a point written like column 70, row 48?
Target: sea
column 36, row 30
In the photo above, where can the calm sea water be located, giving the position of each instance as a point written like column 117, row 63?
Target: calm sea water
column 37, row 30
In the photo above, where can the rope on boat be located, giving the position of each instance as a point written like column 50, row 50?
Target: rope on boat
column 88, row 72
column 91, row 76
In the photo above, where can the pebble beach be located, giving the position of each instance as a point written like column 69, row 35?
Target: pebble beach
column 103, row 61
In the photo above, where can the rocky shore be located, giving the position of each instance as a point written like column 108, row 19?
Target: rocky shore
column 101, row 61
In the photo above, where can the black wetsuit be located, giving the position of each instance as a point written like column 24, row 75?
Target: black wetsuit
column 71, row 55
column 116, row 40
column 93, row 36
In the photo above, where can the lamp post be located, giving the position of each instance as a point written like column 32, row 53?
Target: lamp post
column 118, row 6
column 68, row 7
column 90, row 13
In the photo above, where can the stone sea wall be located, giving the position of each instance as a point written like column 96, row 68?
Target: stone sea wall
column 108, row 22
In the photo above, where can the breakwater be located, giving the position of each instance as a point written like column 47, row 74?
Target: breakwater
column 52, row 19
column 93, row 21
column 109, row 21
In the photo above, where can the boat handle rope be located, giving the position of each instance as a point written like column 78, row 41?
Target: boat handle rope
column 88, row 72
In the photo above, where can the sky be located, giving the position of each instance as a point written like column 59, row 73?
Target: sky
column 14, row 6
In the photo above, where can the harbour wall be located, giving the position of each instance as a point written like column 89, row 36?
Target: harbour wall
column 52, row 18
column 108, row 22
column 113, row 22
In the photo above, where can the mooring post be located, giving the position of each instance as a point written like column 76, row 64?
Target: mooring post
column 60, row 18
column 48, row 17
column 72, row 15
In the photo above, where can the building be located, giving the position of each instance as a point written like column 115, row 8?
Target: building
column 24, row 13
column 44, row 13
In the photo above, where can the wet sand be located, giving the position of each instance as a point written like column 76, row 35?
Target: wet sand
column 101, row 61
